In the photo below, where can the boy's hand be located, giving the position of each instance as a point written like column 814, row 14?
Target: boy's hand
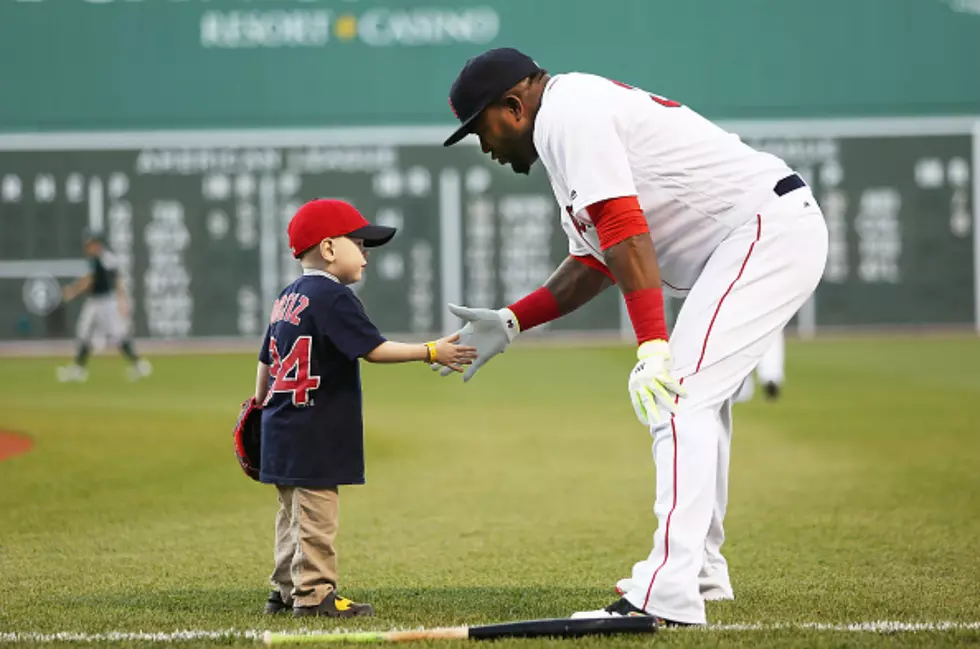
column 451, row 354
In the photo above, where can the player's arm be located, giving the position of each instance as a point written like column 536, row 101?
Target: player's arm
column 585, row 145
column 442, row 351
column 261, row 382
column 76, row 288
column 574, row 283
column 122, row 298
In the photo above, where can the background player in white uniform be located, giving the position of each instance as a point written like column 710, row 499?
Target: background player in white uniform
column 771, row 372
column 105, row 311
column 655, row 197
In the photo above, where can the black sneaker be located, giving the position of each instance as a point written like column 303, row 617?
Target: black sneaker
column 772, row 390
column 275, row 604
column 333, row 605
column 622, row 608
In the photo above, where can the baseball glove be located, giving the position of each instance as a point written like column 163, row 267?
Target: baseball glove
column 248, row 438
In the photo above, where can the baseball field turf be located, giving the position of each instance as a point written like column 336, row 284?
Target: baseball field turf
column 526, row 493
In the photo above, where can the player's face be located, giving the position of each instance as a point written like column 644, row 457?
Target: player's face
column 507, row 134
column 92, row 248
column 348, row 259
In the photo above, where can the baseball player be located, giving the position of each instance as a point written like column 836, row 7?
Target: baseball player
column 105, row 311
column 771, row 372
column 653, row 197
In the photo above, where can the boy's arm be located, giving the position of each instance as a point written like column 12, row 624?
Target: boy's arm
column 261, row 382
column 442, row 351
column 393, row 352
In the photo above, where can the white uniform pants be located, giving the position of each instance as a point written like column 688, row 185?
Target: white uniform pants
column 771, row 369
column 751, row 286
column 101, row 314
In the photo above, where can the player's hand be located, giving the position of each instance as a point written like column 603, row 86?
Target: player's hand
column 653, row 391
column 488, row 330
column 453, row 355
column 124, row 309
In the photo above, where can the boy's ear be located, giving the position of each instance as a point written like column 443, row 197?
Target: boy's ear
column 326, row 250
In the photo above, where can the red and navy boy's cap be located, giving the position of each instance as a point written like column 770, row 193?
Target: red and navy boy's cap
column 325, row 218
column 484, row 79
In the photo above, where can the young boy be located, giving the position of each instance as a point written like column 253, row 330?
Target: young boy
column 309, row 386
column 106, row 309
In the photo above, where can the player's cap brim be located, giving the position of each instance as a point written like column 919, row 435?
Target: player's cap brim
column 374, row 235
column 464, row 129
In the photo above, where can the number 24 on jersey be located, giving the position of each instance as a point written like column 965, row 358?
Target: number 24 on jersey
column 291, row 374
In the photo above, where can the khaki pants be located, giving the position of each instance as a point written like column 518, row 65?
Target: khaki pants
column 306, row 562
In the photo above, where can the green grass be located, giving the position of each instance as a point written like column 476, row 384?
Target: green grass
column 525, row 493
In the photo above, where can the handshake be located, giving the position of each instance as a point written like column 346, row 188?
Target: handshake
column 487, row 330
column 651, row 387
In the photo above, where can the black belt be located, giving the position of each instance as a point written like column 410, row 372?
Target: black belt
column 788, row 184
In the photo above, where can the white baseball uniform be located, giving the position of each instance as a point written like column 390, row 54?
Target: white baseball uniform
column 744, row 257
column 771, row 369
column 100, row 311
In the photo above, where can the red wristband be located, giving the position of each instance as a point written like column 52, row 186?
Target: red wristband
column 617, row 219
column 646, row 309
column 536, row 308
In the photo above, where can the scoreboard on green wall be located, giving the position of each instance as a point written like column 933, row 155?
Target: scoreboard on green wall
column 198, row 221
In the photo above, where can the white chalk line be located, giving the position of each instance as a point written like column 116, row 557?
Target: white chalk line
column 236, row 634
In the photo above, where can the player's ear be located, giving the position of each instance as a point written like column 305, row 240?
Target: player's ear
column 514, row 104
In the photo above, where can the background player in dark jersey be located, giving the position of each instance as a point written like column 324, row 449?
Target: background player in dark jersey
column 310, row 389
column 106, row 310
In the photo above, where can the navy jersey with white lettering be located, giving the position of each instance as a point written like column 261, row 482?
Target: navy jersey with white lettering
column 312, row 427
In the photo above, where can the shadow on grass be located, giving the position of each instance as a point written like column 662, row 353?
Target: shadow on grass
column 395, row 606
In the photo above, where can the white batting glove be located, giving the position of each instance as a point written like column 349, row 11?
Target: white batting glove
column 488, row 330
column 651, row 387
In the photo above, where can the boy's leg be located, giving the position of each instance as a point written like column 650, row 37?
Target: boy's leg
column 315, row 515
column 314, row 568
column 285, row 548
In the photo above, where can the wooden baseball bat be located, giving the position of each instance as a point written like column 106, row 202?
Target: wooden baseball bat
column 557, row 627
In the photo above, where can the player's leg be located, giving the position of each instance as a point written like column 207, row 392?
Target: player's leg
column 746, row 391
column 752, row 285
column 772, row 367
column 714, row 582
column 84, row 330
column 118, row 331
column 281, row 597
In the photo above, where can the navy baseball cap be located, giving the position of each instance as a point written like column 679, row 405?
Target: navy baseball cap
column 483, row 80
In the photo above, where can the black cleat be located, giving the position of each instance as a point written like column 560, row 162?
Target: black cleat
column 623, row 608
column 772, row 390
column 275, row 604
column 333, row 605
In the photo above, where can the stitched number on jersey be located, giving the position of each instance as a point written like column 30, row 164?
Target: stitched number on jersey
column 663, row 101
column 292, row 373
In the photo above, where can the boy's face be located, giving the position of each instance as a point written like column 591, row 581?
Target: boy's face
column 345, row 257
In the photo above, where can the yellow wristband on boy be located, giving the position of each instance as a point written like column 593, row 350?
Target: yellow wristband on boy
column 430, row 348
